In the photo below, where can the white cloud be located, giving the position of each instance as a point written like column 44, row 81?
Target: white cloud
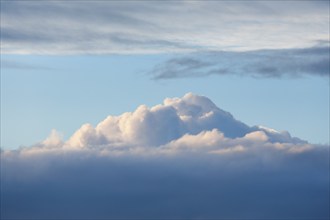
column 53, row 140
column 190, row 124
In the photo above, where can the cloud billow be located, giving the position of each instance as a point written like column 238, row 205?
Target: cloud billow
column 161, row 126
column 185, row 158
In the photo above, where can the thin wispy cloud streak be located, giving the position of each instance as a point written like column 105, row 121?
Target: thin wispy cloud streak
column 287, row 63
column 185, row 158
column 10, row 64
column 115, row 27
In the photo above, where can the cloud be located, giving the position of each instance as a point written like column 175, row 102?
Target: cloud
column 166, row 124
column 10, row 64
column 229, row 183
column 148, row 27
column 185, row 158
column 185, row 124
column 279, row 63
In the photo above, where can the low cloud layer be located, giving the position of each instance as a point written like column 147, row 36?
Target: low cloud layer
column 112, row 27
column 185, row 158
column 289, row 63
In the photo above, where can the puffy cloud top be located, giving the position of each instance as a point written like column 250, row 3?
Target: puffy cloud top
column 179, row 124
column 161, row 124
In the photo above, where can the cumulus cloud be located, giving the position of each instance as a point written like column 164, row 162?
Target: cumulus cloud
column 50, row 27
column 184, row 158
column 187, row 121
column 291, row 63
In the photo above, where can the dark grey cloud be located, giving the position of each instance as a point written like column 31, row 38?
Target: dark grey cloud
column 70, row 28
column 135, row 40
column 82, row 186
column 260, row 64
column 110, row 27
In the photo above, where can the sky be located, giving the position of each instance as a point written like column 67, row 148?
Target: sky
column 147, row 92
column 266, row 62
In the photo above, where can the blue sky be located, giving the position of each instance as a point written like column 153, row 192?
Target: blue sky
column 63, row 92
column 164, row 109
column 68, row 63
